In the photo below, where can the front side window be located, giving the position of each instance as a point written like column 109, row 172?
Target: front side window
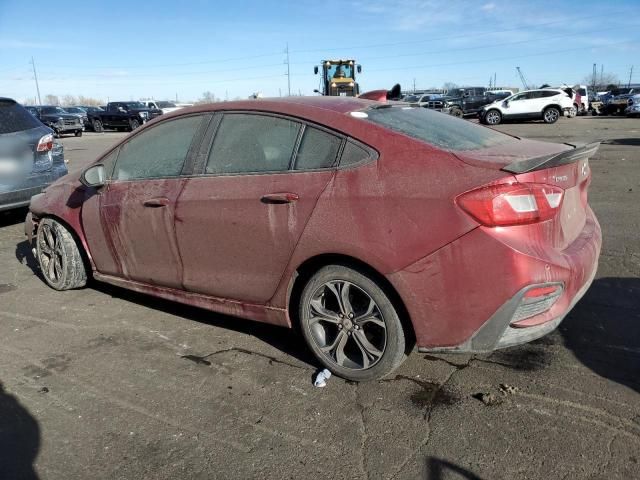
column 157, row 152
column 248, row 143
column 318, row 149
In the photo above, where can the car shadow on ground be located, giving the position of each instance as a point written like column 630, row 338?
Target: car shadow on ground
column 13, row 217
column 19, row 439
column 439, row 469
column 631, row 142
column 289, row 341
column 603, row 330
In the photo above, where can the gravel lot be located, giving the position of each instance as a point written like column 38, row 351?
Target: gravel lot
column 105, row 383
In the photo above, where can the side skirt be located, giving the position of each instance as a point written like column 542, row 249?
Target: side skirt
column 259, row 313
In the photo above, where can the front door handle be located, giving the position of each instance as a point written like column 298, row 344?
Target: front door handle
column 279, row 198
column 156, row 202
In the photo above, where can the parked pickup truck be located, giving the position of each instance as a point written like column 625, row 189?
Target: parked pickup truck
column 124, row 116
column 465, row 101
column 57, row 119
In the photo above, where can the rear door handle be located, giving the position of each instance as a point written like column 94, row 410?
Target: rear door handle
column 156, row 202
column 279, row 198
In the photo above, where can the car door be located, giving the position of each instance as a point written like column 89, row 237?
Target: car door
column 241, row 219
column 518, row 106
column 129, row 224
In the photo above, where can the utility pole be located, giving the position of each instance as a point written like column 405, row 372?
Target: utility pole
column 601, row 74
column 495, row 85
column 594, row 77
column 35, row 76
column 414, row 85
column 630, row 75
column 288, row 70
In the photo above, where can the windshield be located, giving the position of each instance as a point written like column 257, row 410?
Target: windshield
column 135, row 105
column 50, row 110
column 14, row 118
column 437, row 128
column 165, row 105
column 339, row 71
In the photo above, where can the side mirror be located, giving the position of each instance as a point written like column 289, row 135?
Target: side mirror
column 359, row 68
column 505, row 103
column 315, row 70
column 93, row 176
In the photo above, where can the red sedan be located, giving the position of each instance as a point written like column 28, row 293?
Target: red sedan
column 371, row 226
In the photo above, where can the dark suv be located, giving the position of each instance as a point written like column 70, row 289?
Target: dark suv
column 29, row 158
column 58, row 119
column 465, row 101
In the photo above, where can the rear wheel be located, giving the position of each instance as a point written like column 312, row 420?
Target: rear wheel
column 493, row 117
column 59, row 256
column 550, row 115
column 350, row 324
column 97, row 126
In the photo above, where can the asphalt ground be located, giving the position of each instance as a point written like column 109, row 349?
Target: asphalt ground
column 105, row 383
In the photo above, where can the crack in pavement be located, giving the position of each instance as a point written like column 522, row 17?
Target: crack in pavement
column 203, row 359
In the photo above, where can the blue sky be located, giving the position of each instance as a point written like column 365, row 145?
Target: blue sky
column 133, row 49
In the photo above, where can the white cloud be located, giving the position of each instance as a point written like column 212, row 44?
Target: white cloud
column 488, row 6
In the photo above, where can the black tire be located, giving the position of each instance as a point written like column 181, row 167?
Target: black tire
column 56, row 133
column 551, row 115
column 361, row 339
column 59, row 257
column 133, row 124
column 456, row 112
column 492, row 117
column 98, row 126
column 78, row 133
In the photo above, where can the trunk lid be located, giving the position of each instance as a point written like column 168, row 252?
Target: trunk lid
column 562, row 165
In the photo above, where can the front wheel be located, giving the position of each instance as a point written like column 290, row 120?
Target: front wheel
column 133, row 124
column 350, row 324
column 59, row 256
column 493, row 117
column 97, row 126
column 550, row 115
column 78, row 133
column 456, row 112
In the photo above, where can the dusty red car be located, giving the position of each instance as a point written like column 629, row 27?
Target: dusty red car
column 372, row 226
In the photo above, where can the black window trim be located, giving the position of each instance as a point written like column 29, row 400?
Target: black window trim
column 189, row 160
column 210, row 136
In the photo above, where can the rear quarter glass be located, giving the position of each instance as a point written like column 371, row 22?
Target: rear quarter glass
column 15, row 118
column 438, row 129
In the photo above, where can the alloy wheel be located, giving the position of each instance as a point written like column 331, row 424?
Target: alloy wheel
column 551, row 115
column 52, row 256
column 493, row 118
column 347, row 325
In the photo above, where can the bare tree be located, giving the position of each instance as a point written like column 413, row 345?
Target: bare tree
column 448, row 86
column 207, row 97
column 602, row 80
column 88, row 101
column 51, row 100
column 68, row 101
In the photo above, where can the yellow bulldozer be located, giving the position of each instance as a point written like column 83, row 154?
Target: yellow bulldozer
column 338, row 78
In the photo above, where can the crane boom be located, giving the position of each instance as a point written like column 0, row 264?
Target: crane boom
column 522, row 79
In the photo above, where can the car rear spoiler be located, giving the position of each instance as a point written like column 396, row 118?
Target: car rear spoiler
column 548, row 161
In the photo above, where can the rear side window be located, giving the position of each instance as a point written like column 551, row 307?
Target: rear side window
column 157, row 152
column 247, row 143
column 438, row 129
column 318, row 149
column 548, row 93
column 353, row 154
column 15, row 118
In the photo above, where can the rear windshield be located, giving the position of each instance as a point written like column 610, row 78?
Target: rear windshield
column 14, row 118
column 439, row 129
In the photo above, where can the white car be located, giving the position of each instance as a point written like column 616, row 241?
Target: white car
column 166, row 107
column 543, row 104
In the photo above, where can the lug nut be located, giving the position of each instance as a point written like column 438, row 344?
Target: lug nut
column 351, row 315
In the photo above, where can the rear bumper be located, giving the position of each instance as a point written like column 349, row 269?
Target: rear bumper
column 464, row 297
column 20, row 195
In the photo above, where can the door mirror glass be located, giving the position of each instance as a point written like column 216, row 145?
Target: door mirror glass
column 93, row 176
column 359, row 68
column 315, row 70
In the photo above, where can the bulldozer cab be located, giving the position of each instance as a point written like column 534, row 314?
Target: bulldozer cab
column 339, row 78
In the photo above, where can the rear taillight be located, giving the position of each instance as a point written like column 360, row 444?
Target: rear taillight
column 45, row 144
column 512, row 204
